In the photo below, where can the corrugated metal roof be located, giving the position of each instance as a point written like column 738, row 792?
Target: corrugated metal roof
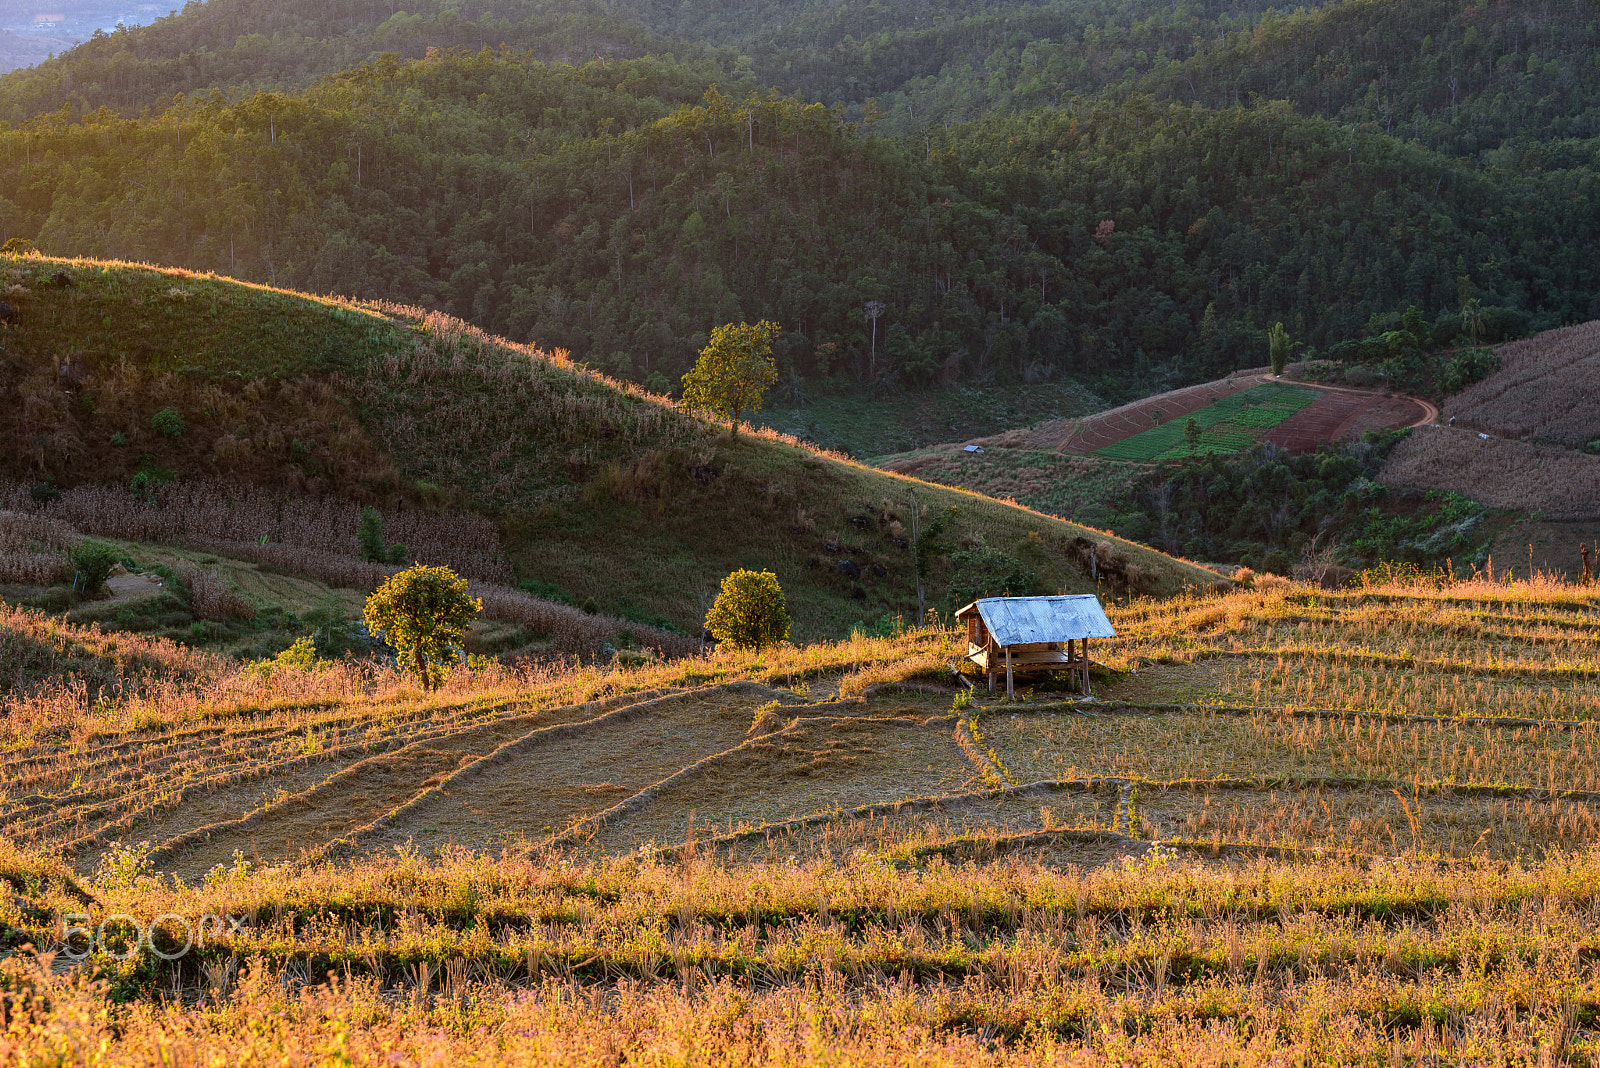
column 1025, row 620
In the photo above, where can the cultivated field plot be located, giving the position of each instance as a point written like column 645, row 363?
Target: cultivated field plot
column 1230, row 424
column 1268, row 718
column 1234, row 414
column 1557, row 483
column 1337, row 415
column 1546, row 389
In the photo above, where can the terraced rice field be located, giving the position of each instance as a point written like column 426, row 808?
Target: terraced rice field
column 1294, row 825
column 1453, row 721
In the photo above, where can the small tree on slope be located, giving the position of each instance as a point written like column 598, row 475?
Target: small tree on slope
column 1279, row 346
column 423, row 613
column 750, row 612
column 733, row 371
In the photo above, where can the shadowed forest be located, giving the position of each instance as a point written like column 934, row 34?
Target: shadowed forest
column 1120, row 194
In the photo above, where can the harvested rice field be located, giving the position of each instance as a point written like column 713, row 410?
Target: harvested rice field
column 1460, row 698
column 1375, row 808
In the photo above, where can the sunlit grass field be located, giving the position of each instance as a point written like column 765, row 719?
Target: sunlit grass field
column 1293, row 826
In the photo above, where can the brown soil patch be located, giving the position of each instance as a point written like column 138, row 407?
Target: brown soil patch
column 127, row 587
column 1339, row 415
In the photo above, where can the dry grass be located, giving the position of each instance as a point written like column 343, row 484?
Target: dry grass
column 1441, row 914
column 1547, row 388
column 213, row 597
column 312, row 537
column 505, row 961
column 31, row 548
column 1554, row 482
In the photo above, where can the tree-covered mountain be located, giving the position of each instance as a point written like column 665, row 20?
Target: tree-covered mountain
column 1140, row 190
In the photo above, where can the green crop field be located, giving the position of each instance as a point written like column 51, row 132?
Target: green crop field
column 1232, row 424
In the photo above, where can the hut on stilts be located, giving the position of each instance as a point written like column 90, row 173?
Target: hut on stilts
column 1034, row 635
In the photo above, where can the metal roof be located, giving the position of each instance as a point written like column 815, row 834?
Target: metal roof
column 1025, row 620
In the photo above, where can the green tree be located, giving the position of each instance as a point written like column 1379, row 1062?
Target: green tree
column 91, row 563
column 1279, row 346
column 423, row 613
column 370, row 537
column 749, row 612
column 733, row 371
column 1191, row 435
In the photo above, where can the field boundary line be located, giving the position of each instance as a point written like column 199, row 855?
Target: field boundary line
column 514, row 748
column 987, row 766
column 1001, row 844
column 1163, row 708
column 587, row 828
column 178, row 844
column 1389, row 660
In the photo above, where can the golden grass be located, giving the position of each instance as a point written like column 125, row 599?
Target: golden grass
column 481, row 961
column 1002, row 928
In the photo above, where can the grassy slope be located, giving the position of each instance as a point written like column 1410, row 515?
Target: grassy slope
column 986, row 942
column 594, row 485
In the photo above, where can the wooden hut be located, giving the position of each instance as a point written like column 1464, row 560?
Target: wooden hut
column 1029, row 635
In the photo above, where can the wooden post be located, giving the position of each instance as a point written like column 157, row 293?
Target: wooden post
column 1011, row 690
column 1086, row 691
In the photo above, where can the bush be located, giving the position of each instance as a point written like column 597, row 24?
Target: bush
column 168, row 423
column 750, row 611
column 423, row 613
column 1467, row 367
column 370, row 536
column 92, row 564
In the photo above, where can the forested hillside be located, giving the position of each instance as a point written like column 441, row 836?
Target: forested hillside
column 1136, row 192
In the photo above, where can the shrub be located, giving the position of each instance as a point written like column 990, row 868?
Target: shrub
column 168, row 423
column 423, row 613
column 750, row 611
column 92, row 563
column 370, row 536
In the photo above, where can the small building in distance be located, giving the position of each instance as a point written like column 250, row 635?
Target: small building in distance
column 1030, row 635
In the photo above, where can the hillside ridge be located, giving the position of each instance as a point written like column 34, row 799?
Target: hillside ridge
column 597, row 488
